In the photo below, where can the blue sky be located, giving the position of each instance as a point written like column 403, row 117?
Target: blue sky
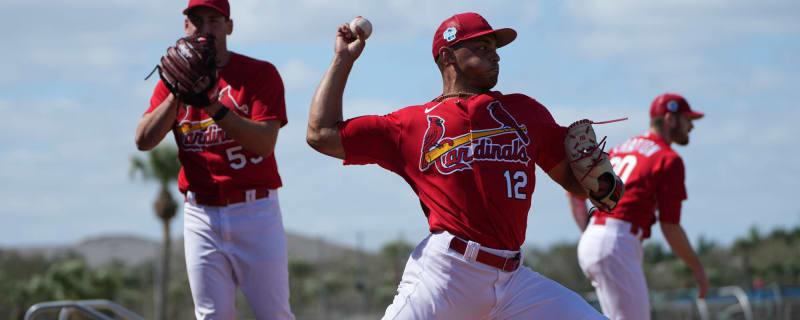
column 72, row 94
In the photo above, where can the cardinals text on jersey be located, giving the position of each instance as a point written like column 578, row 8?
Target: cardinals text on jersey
column 451, row 154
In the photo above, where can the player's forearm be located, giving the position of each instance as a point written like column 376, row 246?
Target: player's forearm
column 326, row 109
column 155, row 125
column 679, row 243
column 562, row 174
column 255, row 136
column 574, row 187
column 676, row 238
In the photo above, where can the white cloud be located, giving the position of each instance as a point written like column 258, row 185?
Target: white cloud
column 94, row 41
column 38, row 120
column 312, row 20
column 76, row 59
column 100, row 40
column 626, row 26
column 298, row 75
column 722, row 48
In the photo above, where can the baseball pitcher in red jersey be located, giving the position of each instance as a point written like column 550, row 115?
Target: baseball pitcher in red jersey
column 470, row 156
column 233, row 231
column 610, row 249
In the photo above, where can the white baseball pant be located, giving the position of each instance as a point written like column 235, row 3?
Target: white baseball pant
column 241, row 245
column 611, row 257
column 439, row 283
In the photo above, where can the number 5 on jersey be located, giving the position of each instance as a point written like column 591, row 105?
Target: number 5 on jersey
column 237, row 160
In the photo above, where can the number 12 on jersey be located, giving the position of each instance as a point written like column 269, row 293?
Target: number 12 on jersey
column 519, row 180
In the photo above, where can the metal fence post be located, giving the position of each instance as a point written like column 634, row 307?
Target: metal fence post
column 741, row 296
column 86, row 306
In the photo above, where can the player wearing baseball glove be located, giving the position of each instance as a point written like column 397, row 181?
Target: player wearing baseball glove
column 189, row 69
column 225, row 110
column 590, row 165
column 469, row 156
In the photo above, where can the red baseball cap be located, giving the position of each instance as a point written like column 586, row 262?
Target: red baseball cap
column 465, row 26
column 672, row 102
column 220, row 5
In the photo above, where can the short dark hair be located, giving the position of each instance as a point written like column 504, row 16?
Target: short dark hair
column 659, row 121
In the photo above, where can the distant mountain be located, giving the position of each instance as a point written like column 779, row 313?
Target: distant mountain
column 316, row 250
column 100, row 250
column 133, row 250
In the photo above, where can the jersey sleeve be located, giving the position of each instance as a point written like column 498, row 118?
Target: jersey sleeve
column 160, row 93
column 372, row 139
column 671, row 189
column 268, row 99
column 549, row 139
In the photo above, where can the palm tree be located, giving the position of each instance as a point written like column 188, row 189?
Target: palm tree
column 162, row 165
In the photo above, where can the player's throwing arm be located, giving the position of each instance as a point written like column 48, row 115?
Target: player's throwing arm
column 326, row 106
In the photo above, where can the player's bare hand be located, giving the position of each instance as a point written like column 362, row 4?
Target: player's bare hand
column 348, row 45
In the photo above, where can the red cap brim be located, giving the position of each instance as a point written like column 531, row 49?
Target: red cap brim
column 694, row 114
column 503, row 36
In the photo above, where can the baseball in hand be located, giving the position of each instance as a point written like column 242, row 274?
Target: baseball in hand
column 363, row 24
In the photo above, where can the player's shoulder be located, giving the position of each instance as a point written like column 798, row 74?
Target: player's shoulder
column 399, row 116
column 413, row 110
column 647, row 144
column 529, row 109
column 248, row 60
column 670, row 162
column 521, row 100
column 665, row 155
column 247, row 63
column 516, row 97
column 411, row 116
column 670, row 156
column 665, row 152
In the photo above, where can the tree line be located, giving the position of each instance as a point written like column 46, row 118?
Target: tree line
column 751, row 261
column 365, row 284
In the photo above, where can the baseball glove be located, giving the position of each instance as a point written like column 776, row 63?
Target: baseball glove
column 590, row 164
column 189, row 69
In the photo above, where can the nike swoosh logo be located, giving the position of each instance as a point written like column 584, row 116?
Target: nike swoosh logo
column 431, row 108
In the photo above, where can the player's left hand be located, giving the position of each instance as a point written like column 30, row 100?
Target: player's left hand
column 189, row 70
column 591, row 166
column 609, row 192
column 348, row 45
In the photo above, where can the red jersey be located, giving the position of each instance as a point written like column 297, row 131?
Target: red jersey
column 470, row 162
column 213, row 164
column 654, row 179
